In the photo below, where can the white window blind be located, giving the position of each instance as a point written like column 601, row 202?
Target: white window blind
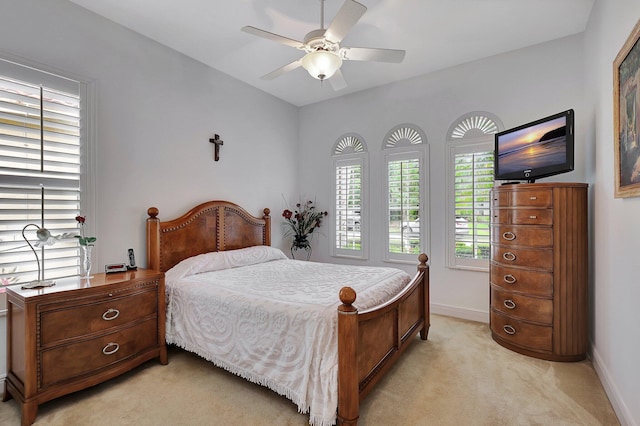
column 472, row 185
column 348, row 207
column 40, row 166
column 404, row 205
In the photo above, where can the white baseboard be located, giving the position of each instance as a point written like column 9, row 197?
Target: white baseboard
column 610, row 388
column 456, row 312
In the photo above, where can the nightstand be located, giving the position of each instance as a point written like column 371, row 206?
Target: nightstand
column 79, row 333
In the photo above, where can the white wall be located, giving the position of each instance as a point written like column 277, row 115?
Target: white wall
column 156, row 110
column 616, row 230
column 518, row 87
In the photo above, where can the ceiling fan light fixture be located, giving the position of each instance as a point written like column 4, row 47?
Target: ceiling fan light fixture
column 321, row 64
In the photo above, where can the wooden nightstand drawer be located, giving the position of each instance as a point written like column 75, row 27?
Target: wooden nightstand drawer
column 530, row 236
column 537, row 337
column 522, row 307
column 101, row 314
column 70, row 361
column 534, row 283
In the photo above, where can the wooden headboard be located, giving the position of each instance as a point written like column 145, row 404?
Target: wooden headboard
column 210, row 226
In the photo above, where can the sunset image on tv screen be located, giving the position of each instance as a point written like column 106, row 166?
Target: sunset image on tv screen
column 533, row 147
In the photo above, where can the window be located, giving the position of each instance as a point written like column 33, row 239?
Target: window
column 349, row 209
column 470, row 163
column 405, row 190
column 43, row 168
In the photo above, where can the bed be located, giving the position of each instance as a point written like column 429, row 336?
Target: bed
column 191, row 250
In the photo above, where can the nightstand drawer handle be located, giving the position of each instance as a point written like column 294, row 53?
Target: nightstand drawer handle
column 509, row 304
column 110, row 314
column 107, row 349
column 509, row 279
column 509, row 329
column 509, row 256
column 509, row 236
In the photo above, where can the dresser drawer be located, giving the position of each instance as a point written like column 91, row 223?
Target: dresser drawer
column 525, row 257
column 534, row 283
column 535, row 198
column 522, row 216
column 537, row 337
column 522, row 307
column 99, row 315
column 530, row 236
column 70, row 361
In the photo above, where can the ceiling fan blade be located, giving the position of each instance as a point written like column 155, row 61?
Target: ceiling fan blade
column 273, row 37
column 337, row 81
column 372, row 54
column 350, row 12
column 284, row 69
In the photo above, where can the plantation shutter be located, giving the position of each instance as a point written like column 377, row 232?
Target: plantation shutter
column 348, row 205
column 472, row 185
column 40, row 170
column 404, row 205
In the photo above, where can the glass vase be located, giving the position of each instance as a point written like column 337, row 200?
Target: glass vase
column 86, row 261
column 301, row 248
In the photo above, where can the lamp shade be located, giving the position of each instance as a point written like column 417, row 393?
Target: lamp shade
column 321, row 64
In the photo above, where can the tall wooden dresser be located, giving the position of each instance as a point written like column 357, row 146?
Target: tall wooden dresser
column 79, row 333
column 539, row 288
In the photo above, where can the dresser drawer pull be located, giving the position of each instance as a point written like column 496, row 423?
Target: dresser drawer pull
column 509, row 304
column 110, row 314
column 533, row 197
column 509, row 236
column 509, row 329
column 509, row 279
column 533, row 217
column 107, row 350
column 509, row 256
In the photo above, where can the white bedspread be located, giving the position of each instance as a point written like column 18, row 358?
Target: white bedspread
column 271, row 320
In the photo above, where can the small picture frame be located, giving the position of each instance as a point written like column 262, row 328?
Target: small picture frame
column 626, row 117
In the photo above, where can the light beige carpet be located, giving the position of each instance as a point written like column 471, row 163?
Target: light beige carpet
column 460, row 376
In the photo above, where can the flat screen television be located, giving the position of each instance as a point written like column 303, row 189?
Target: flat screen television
column 535, row 150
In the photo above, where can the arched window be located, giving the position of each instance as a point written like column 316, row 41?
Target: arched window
column 470, row 159
column 406, row 183
column 350, row 216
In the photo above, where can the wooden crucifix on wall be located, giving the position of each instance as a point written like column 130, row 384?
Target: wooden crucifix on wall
column 218, row 142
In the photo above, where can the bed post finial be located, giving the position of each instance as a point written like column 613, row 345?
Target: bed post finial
column 153, row 212
column 423, row 259
column 347, row 296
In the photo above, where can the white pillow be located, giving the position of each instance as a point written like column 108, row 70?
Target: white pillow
column 216, row 261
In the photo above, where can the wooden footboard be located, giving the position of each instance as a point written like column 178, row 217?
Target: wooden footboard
column 369, row 342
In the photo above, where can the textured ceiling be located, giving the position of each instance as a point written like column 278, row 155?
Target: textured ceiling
column 436, row 34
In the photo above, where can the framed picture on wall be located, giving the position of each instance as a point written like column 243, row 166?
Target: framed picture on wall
column 626, row 117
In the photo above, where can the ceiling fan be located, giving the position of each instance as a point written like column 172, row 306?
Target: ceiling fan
column 324, row 55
